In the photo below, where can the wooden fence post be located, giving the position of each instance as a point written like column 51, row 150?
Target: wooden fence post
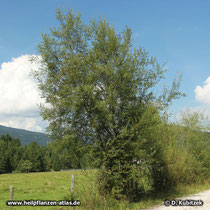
column 72, row 183
column 11, row 189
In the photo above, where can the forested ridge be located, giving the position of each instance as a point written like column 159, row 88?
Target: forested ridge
column 25, row 136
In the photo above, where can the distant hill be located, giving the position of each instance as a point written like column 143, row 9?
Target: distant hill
column 25, row 137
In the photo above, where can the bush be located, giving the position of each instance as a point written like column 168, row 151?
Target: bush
column 187, row 150
column 25, row 166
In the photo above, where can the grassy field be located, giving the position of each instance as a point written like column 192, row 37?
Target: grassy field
column 56, row 186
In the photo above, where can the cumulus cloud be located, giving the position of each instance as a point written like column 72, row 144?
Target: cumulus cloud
column 19, row 95
column 202, row 94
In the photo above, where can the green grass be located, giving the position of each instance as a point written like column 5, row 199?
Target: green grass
column 56, row 186
column 36, row 186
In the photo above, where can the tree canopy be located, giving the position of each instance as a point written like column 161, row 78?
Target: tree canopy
column 94, row 79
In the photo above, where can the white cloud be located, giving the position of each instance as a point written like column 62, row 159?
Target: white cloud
column 202, row 94
column 19, row 95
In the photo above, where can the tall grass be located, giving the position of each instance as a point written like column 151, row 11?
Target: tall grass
column 187, row 151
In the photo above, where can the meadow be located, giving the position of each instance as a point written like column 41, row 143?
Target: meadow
column 56, row 186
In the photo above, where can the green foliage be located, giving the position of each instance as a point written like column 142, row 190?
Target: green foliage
column 56, row 163
column 9, row 153
column 3, row 158
column 25, row 166
column 13, row 156
column 187, row 150
column 100, row 91
column 69, row 152
column 34, row 154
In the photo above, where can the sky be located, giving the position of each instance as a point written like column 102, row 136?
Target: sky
column 174, row 31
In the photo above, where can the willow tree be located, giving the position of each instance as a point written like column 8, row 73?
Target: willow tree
column 100, row 92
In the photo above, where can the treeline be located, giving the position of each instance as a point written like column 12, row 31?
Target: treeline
column 35, row 158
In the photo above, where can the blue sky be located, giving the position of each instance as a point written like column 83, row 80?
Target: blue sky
column 177, row 31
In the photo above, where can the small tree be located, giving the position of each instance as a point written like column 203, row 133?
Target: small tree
column 26, row 166
column 100, row 91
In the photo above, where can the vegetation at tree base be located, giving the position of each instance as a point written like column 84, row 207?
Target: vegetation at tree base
column 187, row 149
column 56, row 186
